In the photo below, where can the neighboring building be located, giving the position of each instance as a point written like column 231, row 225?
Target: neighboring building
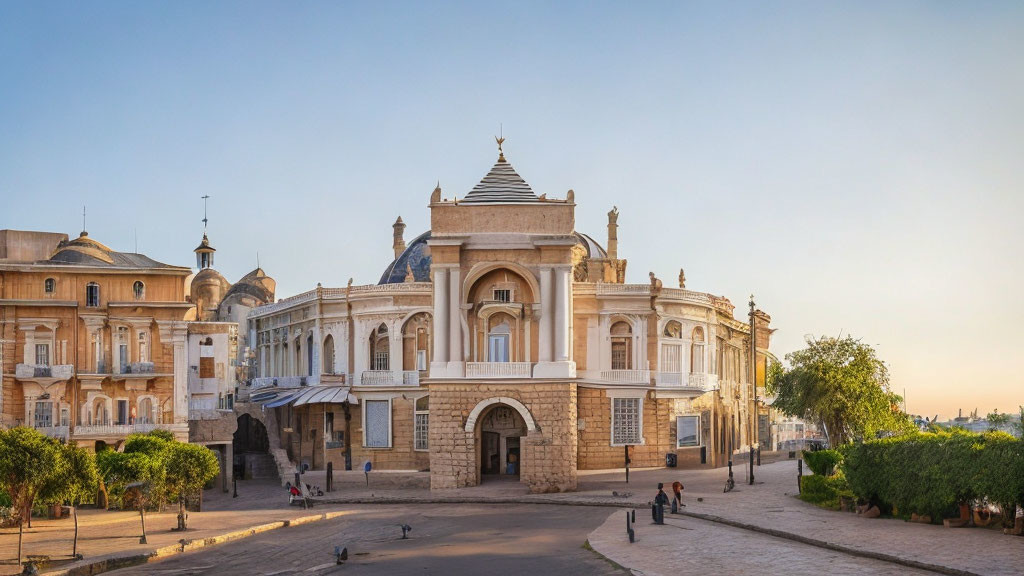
column 217, row 352
column 93, row 339
column 505, row 342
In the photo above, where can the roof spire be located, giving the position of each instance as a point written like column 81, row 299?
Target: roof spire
column 500, row 139
column 205, row 198
column 84, row 233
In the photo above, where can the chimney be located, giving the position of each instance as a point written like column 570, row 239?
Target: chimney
column 613, row 233
column 399, row 241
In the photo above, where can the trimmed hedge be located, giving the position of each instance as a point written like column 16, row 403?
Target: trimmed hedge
column 822, row 462
column 824, row 490
column 933, row 472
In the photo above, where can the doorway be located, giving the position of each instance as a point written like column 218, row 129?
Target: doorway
column 501, row 428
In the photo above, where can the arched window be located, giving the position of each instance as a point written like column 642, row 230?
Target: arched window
column 309, row 355
column 673, row 329
column 145, row 414
column 622, row 346
column 328, row 354
column 102, row 417
column 379, row 349
column 498, row 339
column 139, row 290
column 92, row 295
column 421, row 428
column 697, row 351
column 50, row 285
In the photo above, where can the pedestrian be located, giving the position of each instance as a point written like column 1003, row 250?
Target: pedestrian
column 660, row 499
column 677, row 489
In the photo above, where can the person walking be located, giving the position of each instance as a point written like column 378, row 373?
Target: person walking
column 677, row 490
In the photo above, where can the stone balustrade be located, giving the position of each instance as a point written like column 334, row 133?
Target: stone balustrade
column 58, row 371
column 627, row 376
column 499, row 369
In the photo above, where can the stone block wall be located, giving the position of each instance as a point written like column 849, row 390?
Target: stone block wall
column 548, row 453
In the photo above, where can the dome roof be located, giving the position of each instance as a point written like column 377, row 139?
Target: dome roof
column 85, row 251
column 206, row 275
column 256, row 284
column 416, row 256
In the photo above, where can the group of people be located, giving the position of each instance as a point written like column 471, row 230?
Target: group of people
column 661, row 499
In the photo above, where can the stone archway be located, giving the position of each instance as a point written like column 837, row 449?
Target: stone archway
column 250, row 447
column 502, row 434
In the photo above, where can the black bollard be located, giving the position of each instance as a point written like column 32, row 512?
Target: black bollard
column 330, row 476
column 659, row 514
column 758, row 456
column 629, row 527
column 675, row 506
column 751, row 465
column 234, row 485
column 799, row 475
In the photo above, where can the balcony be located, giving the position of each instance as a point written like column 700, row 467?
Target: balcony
column 58, row 432
column 642, row 377
column 681, row 381
column 499, row 369
column 284, row 381
column 42, row 371
column 138, row 368
column 706, row 382
column 116, row 430
column 389, row 378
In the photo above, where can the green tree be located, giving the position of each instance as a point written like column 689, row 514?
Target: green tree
column 841, row 384
column 74, row 480
column 997, row 421
column 189, row 467
column 29, row 463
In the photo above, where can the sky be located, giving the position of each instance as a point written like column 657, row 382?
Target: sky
column 858, row 167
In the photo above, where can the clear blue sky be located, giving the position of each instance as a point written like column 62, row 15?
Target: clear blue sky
column 858, row 167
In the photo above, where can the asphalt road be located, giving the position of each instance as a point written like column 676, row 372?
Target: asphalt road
column 463, row 539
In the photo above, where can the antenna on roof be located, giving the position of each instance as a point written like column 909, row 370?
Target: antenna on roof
column 84, row 233
column 205, row 198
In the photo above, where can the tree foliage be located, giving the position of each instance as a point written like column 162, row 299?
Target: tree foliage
column 841, row 384
column 29, row 464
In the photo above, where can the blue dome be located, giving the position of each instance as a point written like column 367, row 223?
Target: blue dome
column 416, row 256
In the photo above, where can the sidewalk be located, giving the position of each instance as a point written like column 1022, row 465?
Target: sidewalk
column 106, row 534
column 770, row 507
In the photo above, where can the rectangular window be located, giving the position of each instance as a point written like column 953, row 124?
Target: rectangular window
column 92, row 295
column 498, row 351
column 687, row 431
column 620, row 355
column 502, row 295
column 42, row 354
column 123, row 356
column 671, row 356
column 625, row 421
column 380, row 361
column 206, row 367
column 122, row 411
column 377, row 425
column 43, row 415
column 421, row 426
column 421, row 360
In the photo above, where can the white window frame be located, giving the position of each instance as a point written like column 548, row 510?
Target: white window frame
column 88, row 300
column 389, row 400
column 43, row 347
column 416, row 413
column 36, row 413
column 637, row 395
column 679, row 439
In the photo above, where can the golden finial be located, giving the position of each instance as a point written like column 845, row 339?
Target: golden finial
column 501, row 155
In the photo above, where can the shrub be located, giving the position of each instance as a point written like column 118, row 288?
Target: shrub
column 822, row 462
column 933, row 472
column 824, row 490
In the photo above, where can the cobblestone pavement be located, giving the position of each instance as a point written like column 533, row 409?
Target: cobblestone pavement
column 445, row 539
column 692, row 546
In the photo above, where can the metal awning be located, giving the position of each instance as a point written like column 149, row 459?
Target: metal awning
column 312, row 395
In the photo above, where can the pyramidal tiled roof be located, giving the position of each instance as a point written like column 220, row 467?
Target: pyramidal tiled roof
column 501, row 185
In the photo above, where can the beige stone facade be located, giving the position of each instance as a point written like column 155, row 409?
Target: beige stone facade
column 505, row 342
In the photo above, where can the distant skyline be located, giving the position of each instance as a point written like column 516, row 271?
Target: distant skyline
column 857, row 167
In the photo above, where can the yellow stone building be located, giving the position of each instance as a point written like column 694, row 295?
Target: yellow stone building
column 92, row 341
column 505, row 342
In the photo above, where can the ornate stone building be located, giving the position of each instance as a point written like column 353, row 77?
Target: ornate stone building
column 92, row 341
column 505, row 342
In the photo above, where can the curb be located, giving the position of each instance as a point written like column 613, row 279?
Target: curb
column 474, row 500
column 831, row 546
column 116, row 562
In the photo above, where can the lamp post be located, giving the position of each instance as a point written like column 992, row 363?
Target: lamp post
column 753, row 378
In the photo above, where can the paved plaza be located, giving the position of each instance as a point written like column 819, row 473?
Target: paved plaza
column 759, row 527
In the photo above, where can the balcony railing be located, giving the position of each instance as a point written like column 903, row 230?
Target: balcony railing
column 285, row 381
column 117, row 429
column 627, row 376
column 389, row 378
column 59, row 371
column 703, row 381
column 59, row 432
column 142, row 368
column 683, row 381
column 498, row 369
column 669, row 379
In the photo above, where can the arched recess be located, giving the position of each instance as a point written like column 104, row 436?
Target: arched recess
column 479, row 409
column 478, row 271
column 328, row 354
column 416, row 340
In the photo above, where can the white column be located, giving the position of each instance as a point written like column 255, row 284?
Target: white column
column 546, row 312
column 397, row 356
column 440, row 317
column 455, row 352
column 341, row 359
column 561, row 315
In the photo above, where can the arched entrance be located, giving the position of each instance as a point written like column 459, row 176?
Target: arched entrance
column 502, row 433
column 250, row 445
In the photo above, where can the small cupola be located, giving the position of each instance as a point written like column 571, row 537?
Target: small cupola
column 204, row 254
